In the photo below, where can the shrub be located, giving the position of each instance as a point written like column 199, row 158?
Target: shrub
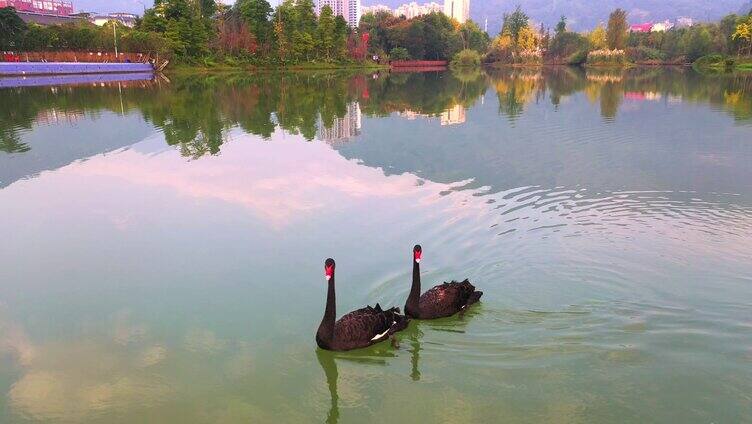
column 466, row 58
column 710, row 60
column 578, row 58
column 645, row 54
column 568, row 47
column 399, row 53
column 606, row 57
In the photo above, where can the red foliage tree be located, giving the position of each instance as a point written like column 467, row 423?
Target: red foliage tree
column 234, row 36
column 357, row 46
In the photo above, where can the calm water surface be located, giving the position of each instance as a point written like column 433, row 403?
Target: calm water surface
column 164, row 241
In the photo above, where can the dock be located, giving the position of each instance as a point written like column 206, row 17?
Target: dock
column 71, row 68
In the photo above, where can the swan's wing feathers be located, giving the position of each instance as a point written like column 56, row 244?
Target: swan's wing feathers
column 359, row 326
column 446, row 299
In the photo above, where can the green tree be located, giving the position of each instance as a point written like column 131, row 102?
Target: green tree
column 153, row 21
column 176, row 9
column 697, row 43
column 256, row 14
column 616, row 31
column 184, row 27
column 561, row 27
column 303, row 45
column 514, row 22
column 207, row 8
column 285, row 22
column 327, row 32
column 473, row 37
column 341, row 34
column 305, row 16
column 399, row 53
column 568, row 47
column 416, row 40
column 11, row 28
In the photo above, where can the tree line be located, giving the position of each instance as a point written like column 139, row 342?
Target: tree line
column 614, row 43
column 252, row 31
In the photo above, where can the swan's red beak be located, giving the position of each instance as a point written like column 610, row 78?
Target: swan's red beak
column 417, row 255
column 329, row 271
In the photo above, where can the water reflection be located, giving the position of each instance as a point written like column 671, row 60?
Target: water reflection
column 373, row 356
column 196, row 113
column 606, row 214
column 326, row 360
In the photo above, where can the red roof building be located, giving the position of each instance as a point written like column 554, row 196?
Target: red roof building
column 45, row 7
column 646, row 27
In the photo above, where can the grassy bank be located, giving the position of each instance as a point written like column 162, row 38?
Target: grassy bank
column 721, row 63
column 208, row 68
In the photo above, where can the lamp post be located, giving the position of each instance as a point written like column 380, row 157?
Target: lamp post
column 114, row 36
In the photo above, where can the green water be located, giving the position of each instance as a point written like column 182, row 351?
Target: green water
column 163, row 247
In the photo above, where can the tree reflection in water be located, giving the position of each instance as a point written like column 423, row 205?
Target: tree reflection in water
column 196, row 113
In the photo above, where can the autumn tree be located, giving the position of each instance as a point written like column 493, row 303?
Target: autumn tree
column 744, row 32
column 515, row 22
column 527, row 39
column 598, row 38
column 616, row 32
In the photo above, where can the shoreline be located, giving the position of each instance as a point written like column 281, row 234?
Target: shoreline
column 203, row 69
column 739, row 67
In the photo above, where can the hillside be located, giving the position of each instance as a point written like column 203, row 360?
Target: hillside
column 584, row 14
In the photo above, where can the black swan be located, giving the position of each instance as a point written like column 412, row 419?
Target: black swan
column 358, row 329
column 441, row 301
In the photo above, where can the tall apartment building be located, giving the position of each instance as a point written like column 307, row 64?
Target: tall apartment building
column 349, row 9
column 457, row 9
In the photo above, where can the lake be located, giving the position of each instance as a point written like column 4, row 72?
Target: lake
column 164, row 244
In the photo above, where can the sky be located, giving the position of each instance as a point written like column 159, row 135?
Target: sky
column 582, row 14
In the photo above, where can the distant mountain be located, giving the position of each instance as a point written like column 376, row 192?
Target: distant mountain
column 585, row 14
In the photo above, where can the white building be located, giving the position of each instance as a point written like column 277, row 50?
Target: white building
column 413, row 9
column 685, row 22
column 662, row 26
column 375, row 9
column 348, row 9
column 127, row 19
column 408, row 10
column 457, row 9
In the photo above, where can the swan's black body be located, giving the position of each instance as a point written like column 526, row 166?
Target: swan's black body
column 441, row 301
column 358, row 329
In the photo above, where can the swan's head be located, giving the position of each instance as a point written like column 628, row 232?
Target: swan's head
column 329, row 268
column 417, row 253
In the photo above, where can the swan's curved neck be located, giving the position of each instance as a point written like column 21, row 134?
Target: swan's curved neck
column 326, row 328
column 412, row 299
